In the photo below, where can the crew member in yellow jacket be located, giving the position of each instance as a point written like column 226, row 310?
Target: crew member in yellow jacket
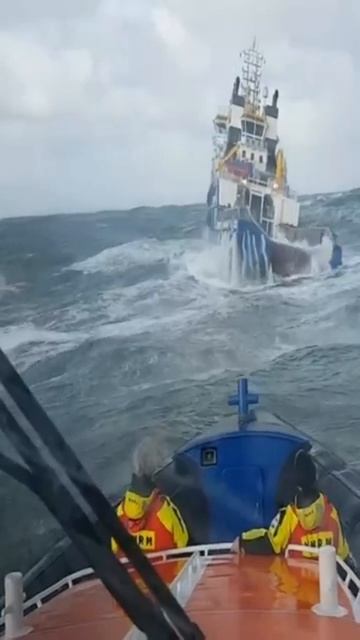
column 311, row 521
column 148, row 515
column 151, row 517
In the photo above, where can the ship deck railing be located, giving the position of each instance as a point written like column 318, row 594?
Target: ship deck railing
column 198, row 556
column 249, row 179
column 267, row 186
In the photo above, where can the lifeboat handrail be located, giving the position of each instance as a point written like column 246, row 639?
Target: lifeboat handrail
column 182, row 587
column 344, row 581
column 68, row 582
column 302, row 548
column 195, row 553
column 206, row 550
column 349, row 577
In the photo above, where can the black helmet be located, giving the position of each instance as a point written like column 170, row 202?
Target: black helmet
column 305, row 472
column 142, row 485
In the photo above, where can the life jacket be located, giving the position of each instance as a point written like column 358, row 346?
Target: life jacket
column 326, row 533
column 286, row 529
column 153, row 532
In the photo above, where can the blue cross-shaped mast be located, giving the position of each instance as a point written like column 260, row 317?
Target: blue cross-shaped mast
column 243, row 399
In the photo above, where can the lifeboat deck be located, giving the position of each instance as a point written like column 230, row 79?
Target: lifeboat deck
column 227, row 596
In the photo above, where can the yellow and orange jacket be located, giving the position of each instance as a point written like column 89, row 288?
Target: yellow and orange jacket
column 286, row 529
column 161, row 528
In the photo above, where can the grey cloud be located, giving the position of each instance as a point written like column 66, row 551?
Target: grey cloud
column 15, row 13
column 109, row 104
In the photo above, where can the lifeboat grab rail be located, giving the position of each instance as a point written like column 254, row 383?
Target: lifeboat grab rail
column 37, row 601
column 65, row 583
column 348, row 580
column 182, row 587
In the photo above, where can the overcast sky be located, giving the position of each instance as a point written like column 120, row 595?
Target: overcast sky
column 109, row 103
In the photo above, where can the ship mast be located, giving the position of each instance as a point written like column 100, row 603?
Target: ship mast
column 253, row 63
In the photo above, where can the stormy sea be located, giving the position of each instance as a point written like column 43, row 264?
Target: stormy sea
column 123, row 325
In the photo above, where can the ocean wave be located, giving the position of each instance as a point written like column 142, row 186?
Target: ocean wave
column 6, row 288
column 28, row 344
column 123, row 256
column 13, row 337
column 316, row 365
column 137, row 326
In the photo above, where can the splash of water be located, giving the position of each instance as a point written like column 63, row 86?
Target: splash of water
column 253, row 258
column 235, row 265
column 320, row 256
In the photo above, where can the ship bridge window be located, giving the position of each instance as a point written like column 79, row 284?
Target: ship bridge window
column 249, row 127
column 252, row 128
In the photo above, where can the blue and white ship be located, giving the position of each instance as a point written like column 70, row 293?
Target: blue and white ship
column 249, row 194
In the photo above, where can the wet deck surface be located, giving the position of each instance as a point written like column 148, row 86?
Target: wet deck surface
column 246, row 597
column 265, row 597
column 87, row 612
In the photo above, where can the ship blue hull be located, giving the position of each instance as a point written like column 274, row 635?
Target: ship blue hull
column 258, row 254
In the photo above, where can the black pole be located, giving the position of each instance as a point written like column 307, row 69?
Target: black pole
column 47, row 485
column 18, row 394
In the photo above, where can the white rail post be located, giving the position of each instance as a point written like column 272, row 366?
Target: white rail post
column 14, row 607
column 329, row 603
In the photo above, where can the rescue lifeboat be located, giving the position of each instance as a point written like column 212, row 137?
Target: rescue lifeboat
column 223, row 482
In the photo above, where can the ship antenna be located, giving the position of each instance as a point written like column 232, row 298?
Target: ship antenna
column 253, row 63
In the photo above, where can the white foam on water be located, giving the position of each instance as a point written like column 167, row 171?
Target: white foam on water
column 136, row 326
column 6, row 288
column 121, row 257
column 307, row 202
column 201, row 280
column 235, row 278
column 15, row 336
column 326, row 286
column 336, row 194
column 209, row 263
column 321, row 283
column 219, row 265
column 321, row 256
column 243, row 264
column 28, row 344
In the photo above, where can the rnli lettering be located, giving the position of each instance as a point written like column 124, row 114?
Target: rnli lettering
column 146, row 540
column 317, row 540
